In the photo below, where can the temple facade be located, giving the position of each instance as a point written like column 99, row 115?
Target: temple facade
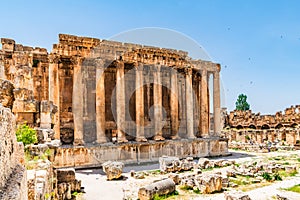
column 93, row 92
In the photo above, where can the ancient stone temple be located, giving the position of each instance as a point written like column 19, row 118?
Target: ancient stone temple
column 105, row 97
column 283, row 127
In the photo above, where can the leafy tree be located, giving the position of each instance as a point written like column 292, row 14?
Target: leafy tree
column 241, row 103
column 26, row 134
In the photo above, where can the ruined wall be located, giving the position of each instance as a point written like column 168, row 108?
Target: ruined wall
column 27, row 68
column 283, row 127
column 13, row 182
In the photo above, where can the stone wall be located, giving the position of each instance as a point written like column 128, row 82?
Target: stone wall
column 13, row 182
column 282, row 128
column 95, row 155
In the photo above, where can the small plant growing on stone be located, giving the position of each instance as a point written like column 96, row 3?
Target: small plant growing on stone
column 277, row 177
column 26, row 134
column 267, row 176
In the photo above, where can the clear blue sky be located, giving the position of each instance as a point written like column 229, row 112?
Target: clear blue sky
column 256, row 42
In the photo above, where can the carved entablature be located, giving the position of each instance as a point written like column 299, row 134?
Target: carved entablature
column 54, row 59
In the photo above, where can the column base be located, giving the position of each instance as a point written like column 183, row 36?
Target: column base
column 159, row 138
column 101, row 140
column 205, row 136
column 141, row 139
column 122, row 140
column 175, row 137
column 78, row 142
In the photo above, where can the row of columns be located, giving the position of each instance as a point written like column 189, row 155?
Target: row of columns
column 157, row 98
column 120, row 102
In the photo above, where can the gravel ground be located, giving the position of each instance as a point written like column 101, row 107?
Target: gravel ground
column 96, row 186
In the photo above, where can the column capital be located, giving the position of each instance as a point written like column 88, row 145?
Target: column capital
column 188, row 71
column 119, row 64
column 216, row 74
column 54, row 59
column 76, row 60
column 203, row 72
column 138, row 66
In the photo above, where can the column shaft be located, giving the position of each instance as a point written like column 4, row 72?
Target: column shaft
column 157, row 98
column 217, row 104
column 54, row 94
column 139, row 104
column 174, row 104
column 77, row 102
column 100, row 102
column 120, row 102
column 189, row 104
column 204, row 115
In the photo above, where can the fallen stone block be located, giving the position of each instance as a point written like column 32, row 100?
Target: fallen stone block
column 209, row 183
column 113, row 169
column 162, row 187
column 169, row 164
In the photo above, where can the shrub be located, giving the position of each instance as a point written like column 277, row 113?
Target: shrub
column 26, row 134
column 277, row 177
column 267, row 176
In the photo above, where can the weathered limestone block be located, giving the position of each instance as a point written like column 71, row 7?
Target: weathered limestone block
column 162, row 187
column 6, row 93
column 31, row 183
column 175, row 178
column 65, row 175
column 47, row 111
column 203, row 163
column 23, row 94
column 44, row 135
column 7, row 44
column 21, row 106
column 291, row 169
column 67, row 183
column 236, row 195
column 187, row 164
column 113, row 169
column 13, row 183
column 169, row 164
column 209, row 183
column 16, row 185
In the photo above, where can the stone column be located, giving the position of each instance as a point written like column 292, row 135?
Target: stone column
column 204, row 115
column 77, row 101
column 189, row 103
column 100, row 102
column 120, row 102
column 157, row 99
column 54, row 92
column 174, row 104
column 217, row 104
column 139, row 104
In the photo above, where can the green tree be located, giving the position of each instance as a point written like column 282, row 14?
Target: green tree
column 26, row 134
column 241, row 103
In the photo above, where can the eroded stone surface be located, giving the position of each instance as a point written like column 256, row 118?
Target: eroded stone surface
column 161, row 187
column 13, row 183
column 113, row 169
